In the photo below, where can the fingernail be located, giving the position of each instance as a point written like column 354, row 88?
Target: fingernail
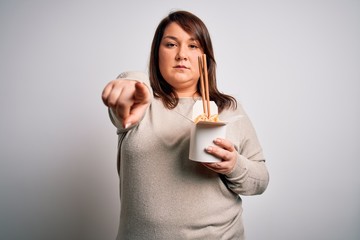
column 209, row 149
column 127, row 125
column 217, row 140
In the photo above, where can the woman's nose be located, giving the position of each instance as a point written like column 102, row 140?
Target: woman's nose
column 181, row 54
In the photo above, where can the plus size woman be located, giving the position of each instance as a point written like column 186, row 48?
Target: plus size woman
column 163, row 194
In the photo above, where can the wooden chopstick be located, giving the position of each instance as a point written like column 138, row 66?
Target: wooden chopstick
column 204, row 84
column 207, row 94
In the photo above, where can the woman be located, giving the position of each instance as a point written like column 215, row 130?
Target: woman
column 163, row 194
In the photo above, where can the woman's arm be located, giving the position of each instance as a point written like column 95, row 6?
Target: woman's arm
column 243, row 164
column 249, row 177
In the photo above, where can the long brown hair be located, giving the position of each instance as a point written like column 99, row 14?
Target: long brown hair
column 192, row 25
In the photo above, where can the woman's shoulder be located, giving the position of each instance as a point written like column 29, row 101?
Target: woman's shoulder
column 233, row 111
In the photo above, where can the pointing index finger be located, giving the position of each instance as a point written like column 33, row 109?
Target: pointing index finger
column 142, row 94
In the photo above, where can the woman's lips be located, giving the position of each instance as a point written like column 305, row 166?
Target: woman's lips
column 181, row 67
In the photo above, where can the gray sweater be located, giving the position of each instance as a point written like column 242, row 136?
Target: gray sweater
column 164, row 195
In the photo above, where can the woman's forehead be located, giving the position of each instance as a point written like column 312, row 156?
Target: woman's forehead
column 176, row 32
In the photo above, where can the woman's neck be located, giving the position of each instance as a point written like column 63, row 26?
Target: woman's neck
column 188, row 94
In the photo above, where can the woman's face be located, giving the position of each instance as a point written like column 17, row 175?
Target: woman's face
column 178, row 60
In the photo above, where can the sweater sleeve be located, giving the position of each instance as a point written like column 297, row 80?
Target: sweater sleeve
column 250, row 175
column 131, row 75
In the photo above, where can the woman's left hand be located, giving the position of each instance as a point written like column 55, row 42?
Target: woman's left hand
column 225, row 151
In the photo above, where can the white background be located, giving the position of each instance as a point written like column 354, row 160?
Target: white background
column 294, row 65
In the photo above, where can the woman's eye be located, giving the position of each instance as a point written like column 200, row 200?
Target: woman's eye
column 192, row 46
column 170, row 45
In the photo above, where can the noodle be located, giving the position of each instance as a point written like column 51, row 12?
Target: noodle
column 203, row 117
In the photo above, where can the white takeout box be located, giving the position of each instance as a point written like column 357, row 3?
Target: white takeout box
column 204, row 133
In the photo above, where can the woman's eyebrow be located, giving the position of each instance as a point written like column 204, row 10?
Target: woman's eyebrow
column 171, row 37
column 176, row 39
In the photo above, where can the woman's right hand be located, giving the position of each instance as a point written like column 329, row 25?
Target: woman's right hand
column 128, row 99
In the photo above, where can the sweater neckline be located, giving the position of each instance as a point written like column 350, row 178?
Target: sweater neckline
column 188, row 99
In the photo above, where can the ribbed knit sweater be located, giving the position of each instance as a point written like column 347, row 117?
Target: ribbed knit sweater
column 164, row 195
